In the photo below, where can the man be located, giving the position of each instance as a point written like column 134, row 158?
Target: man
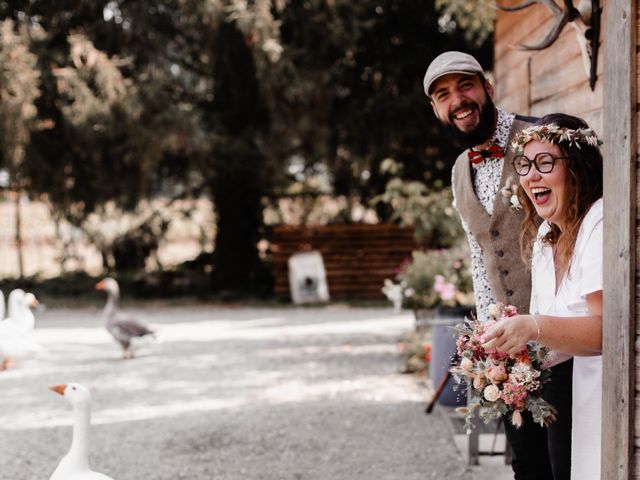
column 482, row 180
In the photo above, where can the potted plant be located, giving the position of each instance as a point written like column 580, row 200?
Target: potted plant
column 437, row 286
column 432, row 281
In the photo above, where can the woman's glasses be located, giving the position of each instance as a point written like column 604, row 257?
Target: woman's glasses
column 543, row 161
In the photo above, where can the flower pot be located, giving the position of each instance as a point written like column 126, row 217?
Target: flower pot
column 423, row 319
column 443, row 348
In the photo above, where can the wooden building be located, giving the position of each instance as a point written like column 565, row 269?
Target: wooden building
column 555, row 80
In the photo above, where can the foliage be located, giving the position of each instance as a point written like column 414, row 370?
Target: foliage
column 432, row 279
column 185, row 98
column 416, row 352
column 19, row 88
column 363, row 100
column 476, row 19
column 428, row 210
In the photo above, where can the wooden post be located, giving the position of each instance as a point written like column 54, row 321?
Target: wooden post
column 620, row 154
column 18, row 237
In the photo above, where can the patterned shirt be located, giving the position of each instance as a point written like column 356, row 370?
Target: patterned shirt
column 486, row 177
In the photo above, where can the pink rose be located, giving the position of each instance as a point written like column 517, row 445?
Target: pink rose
column 479, row 382
column 497, row 373
column 509, row 311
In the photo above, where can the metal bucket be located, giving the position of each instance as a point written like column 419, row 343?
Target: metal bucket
column 443, row 349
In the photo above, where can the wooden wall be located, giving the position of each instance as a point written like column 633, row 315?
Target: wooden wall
column 547, row 81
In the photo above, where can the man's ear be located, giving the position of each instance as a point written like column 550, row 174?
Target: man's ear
column 489, row 88
column 435, row 111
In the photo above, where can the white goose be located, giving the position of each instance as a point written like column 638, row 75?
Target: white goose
column 19, row 312
column 12, row 301
column 75, row 464
column 15, row 331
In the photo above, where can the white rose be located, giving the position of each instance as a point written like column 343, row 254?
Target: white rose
column 492, row 393
column 466, row 364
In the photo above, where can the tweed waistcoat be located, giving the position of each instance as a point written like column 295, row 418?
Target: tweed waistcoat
column 498, row 234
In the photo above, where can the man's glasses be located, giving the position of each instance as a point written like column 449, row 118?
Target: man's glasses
column 543, row 161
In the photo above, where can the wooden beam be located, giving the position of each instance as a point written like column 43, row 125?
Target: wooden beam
column 620, row 152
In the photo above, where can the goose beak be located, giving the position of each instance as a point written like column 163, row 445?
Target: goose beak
column 59, row 388
column 100, row 285
column 35, row 303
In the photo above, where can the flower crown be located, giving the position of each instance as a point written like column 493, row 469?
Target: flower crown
column 552, row 133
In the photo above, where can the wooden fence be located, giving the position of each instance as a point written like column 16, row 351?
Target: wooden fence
column 357, row 257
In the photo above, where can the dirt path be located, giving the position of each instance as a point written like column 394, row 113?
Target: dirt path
column 230, row 393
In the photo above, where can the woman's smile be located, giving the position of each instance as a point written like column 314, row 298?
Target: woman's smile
column 541, row 195
column 547, row 191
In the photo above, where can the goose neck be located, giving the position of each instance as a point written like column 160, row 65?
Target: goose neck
column 113, row 301
column 79, row 450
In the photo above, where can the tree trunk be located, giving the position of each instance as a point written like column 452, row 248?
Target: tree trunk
column 18, row 237
column 241, row 173
column 237, row 265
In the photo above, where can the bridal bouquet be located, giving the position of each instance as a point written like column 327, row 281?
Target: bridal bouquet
column 500, row 383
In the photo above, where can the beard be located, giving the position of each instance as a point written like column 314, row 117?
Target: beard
column 481, row 133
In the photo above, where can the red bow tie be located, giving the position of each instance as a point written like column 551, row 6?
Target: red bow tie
column 477, row 156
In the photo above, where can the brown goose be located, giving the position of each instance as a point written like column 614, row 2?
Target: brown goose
column 121, row 326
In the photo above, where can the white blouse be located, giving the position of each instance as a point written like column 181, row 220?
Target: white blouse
column 584, row 277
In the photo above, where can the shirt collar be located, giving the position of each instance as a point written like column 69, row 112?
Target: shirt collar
column 503, row 127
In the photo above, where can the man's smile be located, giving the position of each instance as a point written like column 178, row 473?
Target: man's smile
column 465, row 116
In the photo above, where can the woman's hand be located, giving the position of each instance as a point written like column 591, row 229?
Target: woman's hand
column 510, row 335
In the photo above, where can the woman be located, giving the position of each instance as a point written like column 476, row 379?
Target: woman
column 560, row 169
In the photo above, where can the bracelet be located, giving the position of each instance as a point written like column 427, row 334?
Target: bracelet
column 535, row 320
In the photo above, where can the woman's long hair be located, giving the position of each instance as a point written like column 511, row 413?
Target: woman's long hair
column 584, row 187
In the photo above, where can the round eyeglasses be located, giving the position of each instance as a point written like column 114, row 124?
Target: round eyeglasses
column 543, row 161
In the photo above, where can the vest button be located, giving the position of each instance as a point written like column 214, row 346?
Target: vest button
column 509, row 293
column 500, row 253
column 494, row 234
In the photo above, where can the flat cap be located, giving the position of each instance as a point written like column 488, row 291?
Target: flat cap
column 450, row 62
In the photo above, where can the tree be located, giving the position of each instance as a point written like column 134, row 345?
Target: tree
column 361, row 65
column 18, row 90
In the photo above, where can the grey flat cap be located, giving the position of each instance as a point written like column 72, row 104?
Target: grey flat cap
column 450, row 62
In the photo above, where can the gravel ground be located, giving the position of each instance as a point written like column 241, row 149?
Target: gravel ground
column 231, row 393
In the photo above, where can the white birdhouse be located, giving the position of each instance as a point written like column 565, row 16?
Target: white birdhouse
column 307, row 278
